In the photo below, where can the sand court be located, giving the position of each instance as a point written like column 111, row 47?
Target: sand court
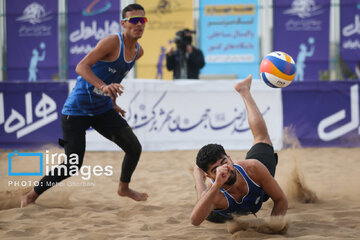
column 320, row 183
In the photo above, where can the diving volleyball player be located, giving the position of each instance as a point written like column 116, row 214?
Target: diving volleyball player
column 238, row 187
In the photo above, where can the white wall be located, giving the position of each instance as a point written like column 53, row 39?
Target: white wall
column 188, row 114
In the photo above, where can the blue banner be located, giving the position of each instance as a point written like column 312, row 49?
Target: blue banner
column 32, row 40
column 30, row 113
column 229, row 37
column 301, row 29
column 350, row 39
column 89, row 22
column 323, row 114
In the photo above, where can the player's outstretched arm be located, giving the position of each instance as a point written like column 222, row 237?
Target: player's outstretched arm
column 270, row 186
column 199, row 178
column 277, row 195
column 208, row 199
column 204, row 206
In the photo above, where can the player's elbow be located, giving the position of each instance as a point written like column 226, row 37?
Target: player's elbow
column 78, row 69
column 194, row 220
column 81, row 68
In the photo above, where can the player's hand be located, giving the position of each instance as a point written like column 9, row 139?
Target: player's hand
column 113, row 90
column 119, row 110
column 222, row 174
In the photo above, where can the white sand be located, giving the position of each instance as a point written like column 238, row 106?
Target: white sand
column 327, row 178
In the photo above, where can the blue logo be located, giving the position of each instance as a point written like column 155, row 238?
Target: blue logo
column 34, row 14
column 304, row 9
column 12, row 172
column 90, row 12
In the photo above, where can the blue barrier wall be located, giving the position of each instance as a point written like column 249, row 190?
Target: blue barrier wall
column 321, row 114
column 30, row 113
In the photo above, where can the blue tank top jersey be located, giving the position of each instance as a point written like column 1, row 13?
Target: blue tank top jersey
column 85, row 99
column 251, row 202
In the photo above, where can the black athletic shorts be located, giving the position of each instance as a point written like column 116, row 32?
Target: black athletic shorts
column 265, row 154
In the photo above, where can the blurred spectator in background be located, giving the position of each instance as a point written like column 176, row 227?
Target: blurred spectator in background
column 186, row 61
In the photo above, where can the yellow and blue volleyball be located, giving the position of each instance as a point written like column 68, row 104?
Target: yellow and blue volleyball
column 277, row 69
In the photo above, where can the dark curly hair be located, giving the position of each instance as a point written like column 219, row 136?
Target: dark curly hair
column 209, row 154
column 131, row 7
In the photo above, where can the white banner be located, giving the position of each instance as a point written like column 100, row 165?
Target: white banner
column 188, row 114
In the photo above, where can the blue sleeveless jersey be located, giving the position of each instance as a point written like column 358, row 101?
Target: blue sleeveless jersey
column 251, row 202
column 85, row 99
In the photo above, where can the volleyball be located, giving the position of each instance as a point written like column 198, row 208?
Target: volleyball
column 277, row 69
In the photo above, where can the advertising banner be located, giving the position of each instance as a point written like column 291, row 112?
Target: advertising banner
column 321, row 114
column 350, row 39
column 229, row 37
column 32, row 40
column 187, row 114
column 324, row 114
column 165, row 19
column 301, row 29
column 88, row 22
column 30, row 113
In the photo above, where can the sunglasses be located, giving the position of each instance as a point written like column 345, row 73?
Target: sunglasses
column 136, row 19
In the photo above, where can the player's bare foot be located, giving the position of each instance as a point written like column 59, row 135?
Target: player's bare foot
column 28, row 198
column 125, row 191
column 244, row 85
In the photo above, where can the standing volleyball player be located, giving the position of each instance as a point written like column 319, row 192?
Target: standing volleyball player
column 92, row 103
column 238, row 187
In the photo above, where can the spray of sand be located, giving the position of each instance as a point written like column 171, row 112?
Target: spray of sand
column 11, row 198
column 268, row 225
column 297, row 188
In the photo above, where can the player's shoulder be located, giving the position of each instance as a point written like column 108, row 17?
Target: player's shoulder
column 110, row 39
column 109, row 43
column 251, row 166
column 246, row 163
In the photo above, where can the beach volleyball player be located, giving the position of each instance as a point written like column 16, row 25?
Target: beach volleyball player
column 238, row 187
column 92, row 103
